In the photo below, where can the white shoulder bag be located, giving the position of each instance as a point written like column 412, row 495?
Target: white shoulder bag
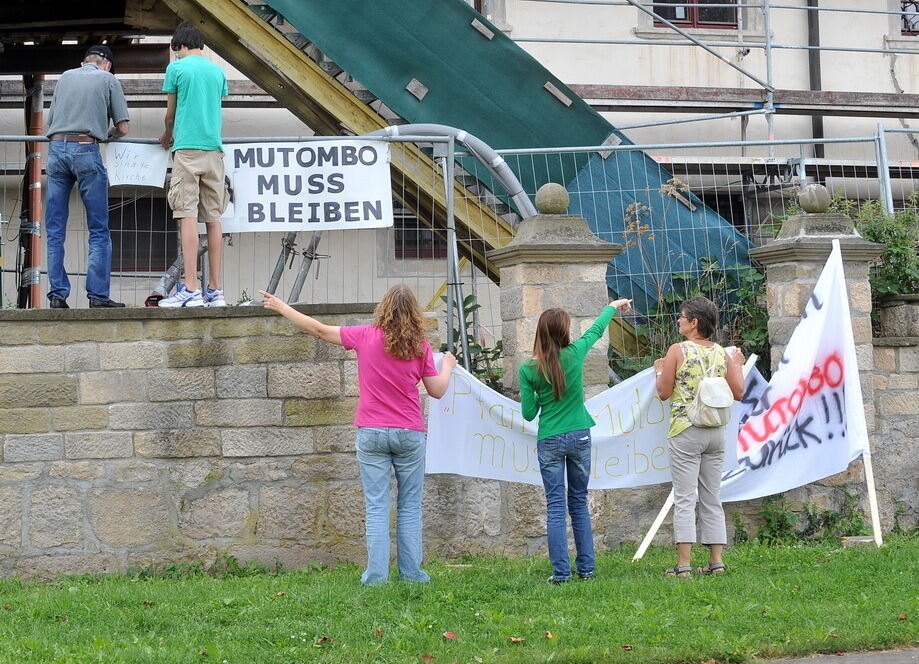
column 711, row 406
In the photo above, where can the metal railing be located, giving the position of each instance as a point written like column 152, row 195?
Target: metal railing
column 731, row 193
column 145, row 240
column 726, row 199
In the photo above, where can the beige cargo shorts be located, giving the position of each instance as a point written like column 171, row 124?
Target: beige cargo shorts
column 197, row 189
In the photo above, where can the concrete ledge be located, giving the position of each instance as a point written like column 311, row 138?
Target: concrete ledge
column 155, row 313
column 895, row 342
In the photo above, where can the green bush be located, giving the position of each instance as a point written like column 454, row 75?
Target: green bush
column 736, row 291
column 897, row 271
column 779, row 524
column 484, row 361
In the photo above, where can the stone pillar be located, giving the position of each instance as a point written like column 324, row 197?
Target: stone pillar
column 554, row 261
column 793, row 263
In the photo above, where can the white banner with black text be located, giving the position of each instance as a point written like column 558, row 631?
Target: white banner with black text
column 809, row 421
column 318, row 186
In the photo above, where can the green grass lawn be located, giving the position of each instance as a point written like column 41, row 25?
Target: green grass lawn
column 775, row 601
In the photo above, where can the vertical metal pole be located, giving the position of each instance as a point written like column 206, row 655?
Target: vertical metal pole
column 802, row 168
column 452, row 257
column 883, row 167
column 770, row 94
column 202, row 239
column 287, row 248
column 451, row 341
column 813, row 67
column 33, row 159
column 309, row 255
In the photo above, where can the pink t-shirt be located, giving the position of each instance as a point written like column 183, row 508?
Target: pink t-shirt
column 388, row 386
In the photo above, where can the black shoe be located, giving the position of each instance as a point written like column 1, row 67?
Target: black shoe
column 101, row 304
column 58, row 303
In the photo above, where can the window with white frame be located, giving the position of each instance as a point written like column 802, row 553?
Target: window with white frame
column 713, row 20
column 902, row 24
column 698, row 13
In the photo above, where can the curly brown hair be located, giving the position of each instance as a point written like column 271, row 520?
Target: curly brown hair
column 399, row 316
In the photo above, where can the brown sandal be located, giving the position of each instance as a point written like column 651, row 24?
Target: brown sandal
column 711, row 568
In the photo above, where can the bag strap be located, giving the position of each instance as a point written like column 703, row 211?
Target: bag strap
column 707, row 364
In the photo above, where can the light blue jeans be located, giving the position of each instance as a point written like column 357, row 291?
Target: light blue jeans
column 379, row 451
column 571, row 452
column 72, row 163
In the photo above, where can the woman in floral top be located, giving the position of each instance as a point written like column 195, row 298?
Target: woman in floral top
column 696, row 453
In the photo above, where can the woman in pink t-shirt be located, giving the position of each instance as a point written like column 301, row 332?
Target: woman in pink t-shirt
column 392, row 357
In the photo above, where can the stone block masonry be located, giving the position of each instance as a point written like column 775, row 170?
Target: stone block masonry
column 233, row 435
column 143, row 437
column 155, row 436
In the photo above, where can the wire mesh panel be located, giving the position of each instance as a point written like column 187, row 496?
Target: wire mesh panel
column 12, row 162
column 687, row 225
column 686, row 221
column 335, row 266
column 903, row 162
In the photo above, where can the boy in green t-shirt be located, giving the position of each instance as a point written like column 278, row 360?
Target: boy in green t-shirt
column 197, row 191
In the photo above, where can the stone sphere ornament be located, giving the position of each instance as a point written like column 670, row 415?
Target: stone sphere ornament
column 814, row 199
column 552, row 198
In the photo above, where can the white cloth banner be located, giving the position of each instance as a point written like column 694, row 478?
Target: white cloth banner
column 477, row 432
column 136, row 164
column 319, row 186
column 809, row 422
column 804, row 425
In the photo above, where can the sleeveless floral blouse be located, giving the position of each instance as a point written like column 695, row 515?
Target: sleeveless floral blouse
column 698, row 361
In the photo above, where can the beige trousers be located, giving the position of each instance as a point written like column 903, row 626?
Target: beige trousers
column 696, row 460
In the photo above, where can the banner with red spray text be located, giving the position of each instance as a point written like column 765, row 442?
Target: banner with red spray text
column 809, row 421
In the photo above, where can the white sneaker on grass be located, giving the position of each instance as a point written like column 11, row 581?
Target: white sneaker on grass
column 213, row 297
column 183, row 298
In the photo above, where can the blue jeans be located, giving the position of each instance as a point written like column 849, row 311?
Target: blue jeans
column 556, row 453
column 79, row 163
column 378, row 451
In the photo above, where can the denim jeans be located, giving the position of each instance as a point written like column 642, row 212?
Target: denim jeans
column 569, row 451
column 79, row 163
column 378, row 451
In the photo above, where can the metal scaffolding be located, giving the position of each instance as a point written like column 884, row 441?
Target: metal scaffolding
column 766, row 7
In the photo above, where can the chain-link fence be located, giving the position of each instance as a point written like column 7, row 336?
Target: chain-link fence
column 687, row 215
column 341, row 266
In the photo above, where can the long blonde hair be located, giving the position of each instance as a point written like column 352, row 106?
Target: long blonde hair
column 399, row 316
column 552, row 334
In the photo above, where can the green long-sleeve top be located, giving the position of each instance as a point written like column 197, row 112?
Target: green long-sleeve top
column 568, row 413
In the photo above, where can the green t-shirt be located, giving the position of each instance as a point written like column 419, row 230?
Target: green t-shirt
column 568, row 413
column 198, row 85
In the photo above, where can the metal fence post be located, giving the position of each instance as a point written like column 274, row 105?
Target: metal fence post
column 309, row 255
column 455, row 289
column 883, row 168
column 770, row 92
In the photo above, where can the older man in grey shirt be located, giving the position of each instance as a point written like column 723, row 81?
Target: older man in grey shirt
column 85, row 99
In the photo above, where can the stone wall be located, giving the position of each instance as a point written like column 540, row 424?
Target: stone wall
column 135, row 437
column 138, row 438
column 896, row 438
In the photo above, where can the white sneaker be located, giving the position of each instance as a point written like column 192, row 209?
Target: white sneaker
column 183, row 298
column 213, row 297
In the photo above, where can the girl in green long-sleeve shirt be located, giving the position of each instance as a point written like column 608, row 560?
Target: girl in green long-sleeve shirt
column 552, row 386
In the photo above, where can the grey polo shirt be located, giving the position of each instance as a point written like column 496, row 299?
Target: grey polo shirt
column 84, row 100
